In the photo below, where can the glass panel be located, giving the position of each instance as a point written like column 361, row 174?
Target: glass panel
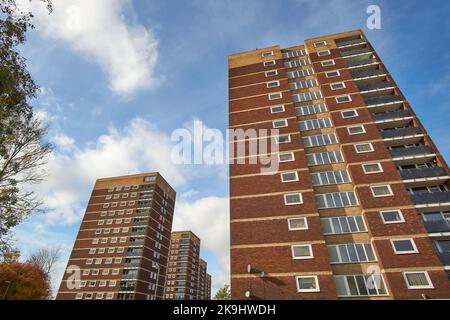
column 352, row 253
column 372, row 284
column 391, row 216
column 336, row 225
column 352, row 224
column 352, row 286
column 361, row 286
column 299, row 223
column 360, row 222
column 403, row 245
column 307, row 283
column 417, row 279
column 326, row 225
column 332, row 252
column 341, row 289
column 301, row 251
column 361, row 253
column 343, row 252
column 344, row 224
column 337, row 200
column 369, row 252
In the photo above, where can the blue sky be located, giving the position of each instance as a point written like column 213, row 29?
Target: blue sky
column 119, row 76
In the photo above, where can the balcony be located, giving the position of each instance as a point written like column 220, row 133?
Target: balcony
column 422, row 177
column 134, row 253
column 393, row 119
column 403, row 136
column 127, row 289
column 142, row 213
column 377, row 86
column 350, row 43
column 445, row 258
column 432, row 200
column 354, row 52
column 384, row 103
column 413, row 155
column 368, row 74
column 358, row 63
column 129, row 276
column 138, row 232
column 437, row 226
column 132, row 265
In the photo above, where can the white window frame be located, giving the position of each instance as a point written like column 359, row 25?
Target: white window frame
column 319, row 44
column 274, row 93
column 344, row 117
column 267, row 73
column 402, row 218
column 380, row 167
column 289, row 140
column 356, row 126
column 360, row 144
column 345, row 95
column 280, row 106
column 291, row 153
column 384, row 195
column 317, row 289
column 429, row 286
column 323, row 53
column 336, row 71
column 266, row 54
column 298, row 229
column 294, row 203
column 328, row 63
column 311, row 254
column 290, row 172
column 269, row 63
column 284, row 125
column 404, row 252
column 272, row 82
column 336, row 83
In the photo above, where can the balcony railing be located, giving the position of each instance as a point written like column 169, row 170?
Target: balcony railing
column 422, row 173
column 132, row 264
column 129, row 276
column 367, row 74
column 350, row 42
column 411, row 152
column 430, row 198
column 355, row 51
column 437, row 226
column 396, row 133
column 382, row 100
column 391, row 115
column 356, row 63
column 445, row 258
column 134, row 253
column 376, row 86
column 127, row 288
column 138, row 232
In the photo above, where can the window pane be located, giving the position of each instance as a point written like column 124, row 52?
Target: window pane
column 344, row 224
column 417, row 279
column 360, row 222
column 299, row 223
column 340, row 286
column 369, row 252
column 352, row 224
column 307, row 283
column 326, row 225
column 343, row 252
column 301, row 251
column 361, row 286
column 361, row 253
column 352, row 286
column 403, row 245
column 332, row 251
column 352, row 253
column 336, row 225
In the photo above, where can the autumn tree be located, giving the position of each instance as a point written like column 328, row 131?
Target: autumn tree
column 223, row 293
column 23, row 149
column 23, row 281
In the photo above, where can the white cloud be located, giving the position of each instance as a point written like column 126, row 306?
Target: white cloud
column 63, row 142
column 138, row 147
column 97, row 29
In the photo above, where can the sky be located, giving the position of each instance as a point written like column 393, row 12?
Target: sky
column 118, row 77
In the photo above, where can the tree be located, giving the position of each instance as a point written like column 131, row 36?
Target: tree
column 223, row 293
column 23, row 281
column 23, row 150
column 46, row 258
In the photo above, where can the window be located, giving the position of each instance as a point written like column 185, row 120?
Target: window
column 336, row 200
column 381, row 191
column 99, row 295
column 320, row 44
column 292, row 54
column 79, row 296
column 88, row 296
column 304, row 84
column 280, row 123
column 289, row 176
column 328, row 63
column 349, row 114
column 307, row 284
column 343, row 99
column 315, row 159
column 267, row 54
column 286, row 157
column 275, row 96
column 404, row 246
column 392, row 216
column 324, row 53
column 369, row 168
column 271, row 73
column 302, row 251
column 89, row 261
column 418, row 280
column 306, row 96
column 310, row 109
column 293, row 199
column 297, row 63
column 363, row 148
column 283, row 139
column 360, row 285
column 356, row 130
column 277, row 109
column 314, row 124
column 319, row 140
column 273, row 84
column 330, row 178
column 342, row 225
column 269, row 63
column 297, row 224
column 299, row 73
column 337, row 86
column 109, row 295
column 332, row 74
column 351, row 253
